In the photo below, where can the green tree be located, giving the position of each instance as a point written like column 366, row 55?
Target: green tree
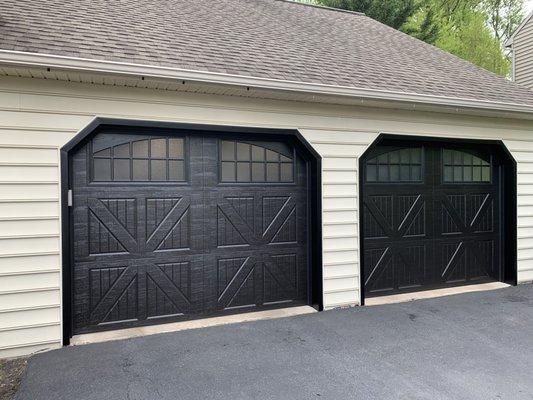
column 467, row 35
column 422, row 25
column 503, row 16
column 394, row 13
column 471, row 29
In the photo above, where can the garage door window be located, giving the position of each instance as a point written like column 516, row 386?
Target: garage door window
column 248, row 163
column 403, row 165
column 149, row 160
column 463, row 167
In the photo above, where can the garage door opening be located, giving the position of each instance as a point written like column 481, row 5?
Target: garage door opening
column 436, row 213
column 174, row 222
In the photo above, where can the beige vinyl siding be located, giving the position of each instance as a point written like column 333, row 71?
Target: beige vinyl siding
column 340, row 211
column 38, row 116
column 30, row 310
column 523, row 153
column 523, row 55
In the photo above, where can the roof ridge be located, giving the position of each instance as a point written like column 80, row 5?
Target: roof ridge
column 323, row 7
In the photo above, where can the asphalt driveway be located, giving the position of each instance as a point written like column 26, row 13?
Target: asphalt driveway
column 469, row 346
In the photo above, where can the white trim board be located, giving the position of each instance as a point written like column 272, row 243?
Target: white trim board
column 19, row 58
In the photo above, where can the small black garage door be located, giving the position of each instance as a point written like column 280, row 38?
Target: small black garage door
column 431, row 216
column 167, row 227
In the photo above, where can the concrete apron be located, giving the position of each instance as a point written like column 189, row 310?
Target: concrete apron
column 185, row 325
column 120, row 334
column 430, row 294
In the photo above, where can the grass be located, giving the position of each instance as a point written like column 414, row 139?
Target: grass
column 11, row 372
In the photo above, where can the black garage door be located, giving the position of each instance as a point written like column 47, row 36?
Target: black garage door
column 167, row 227
column 431, row 216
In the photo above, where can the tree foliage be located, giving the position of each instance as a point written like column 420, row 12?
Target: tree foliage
column 467, row 35
column 394, row 13
column 503, row 16
column 471, row 29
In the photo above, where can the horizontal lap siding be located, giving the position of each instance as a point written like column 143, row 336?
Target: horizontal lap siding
column 523, row 153
column 37, row 117
column 30, row 309
column 523, row 55
column 340, row 153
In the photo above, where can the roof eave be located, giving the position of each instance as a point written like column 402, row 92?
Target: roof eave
column 26, row 59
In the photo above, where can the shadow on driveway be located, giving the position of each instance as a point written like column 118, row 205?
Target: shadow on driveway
column 468, row 346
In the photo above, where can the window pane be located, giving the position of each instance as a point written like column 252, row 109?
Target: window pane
column 258, row 172
column 457, row 158
column 103, row 153
column 404, row 173
column 122, row 151
column 466, row 167
column 383, row 173
column 158, row 170
column 243, row 172
column 447, row 156
column 228, row 171
column 485, row 174
column 140, row 149
column 258, row 153
column 158, row 148
column 416, row 156
column 140, row 169
column 416, row 172
column 371, row 173
column 243, row 152
column 383, row 158
column 228, row 150
column 457, row 174
column 272, row 155
column 476, row 174
column 284, row 159
column 175, row 148
column 404, row 156
column 448, row 174
column 395, row 172
column 102, row 169
column 272, row 172
column 394, row 157
column 176, row 170
column 286, row 172
column 467, row 174
column 121, row 170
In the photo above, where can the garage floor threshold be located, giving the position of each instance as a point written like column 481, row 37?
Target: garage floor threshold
column 430, row 294
column 120, row 334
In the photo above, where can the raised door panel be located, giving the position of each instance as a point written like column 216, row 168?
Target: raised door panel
column 468, row 238
column 137, row 244
column 397, row 246
column 256, row 211
column 442, row 229
column 156, row 245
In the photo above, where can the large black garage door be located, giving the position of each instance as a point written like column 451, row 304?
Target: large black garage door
column 168, row 227
column 431, row 216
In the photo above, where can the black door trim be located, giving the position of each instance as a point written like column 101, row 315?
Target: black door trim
column 117, row 125
column 508, row 193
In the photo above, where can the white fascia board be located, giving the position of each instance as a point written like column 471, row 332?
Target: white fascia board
column 24, row 59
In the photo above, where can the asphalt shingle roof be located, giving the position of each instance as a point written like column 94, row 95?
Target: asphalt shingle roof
column 258, row 38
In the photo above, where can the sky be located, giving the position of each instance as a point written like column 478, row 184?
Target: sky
column 529, row 5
